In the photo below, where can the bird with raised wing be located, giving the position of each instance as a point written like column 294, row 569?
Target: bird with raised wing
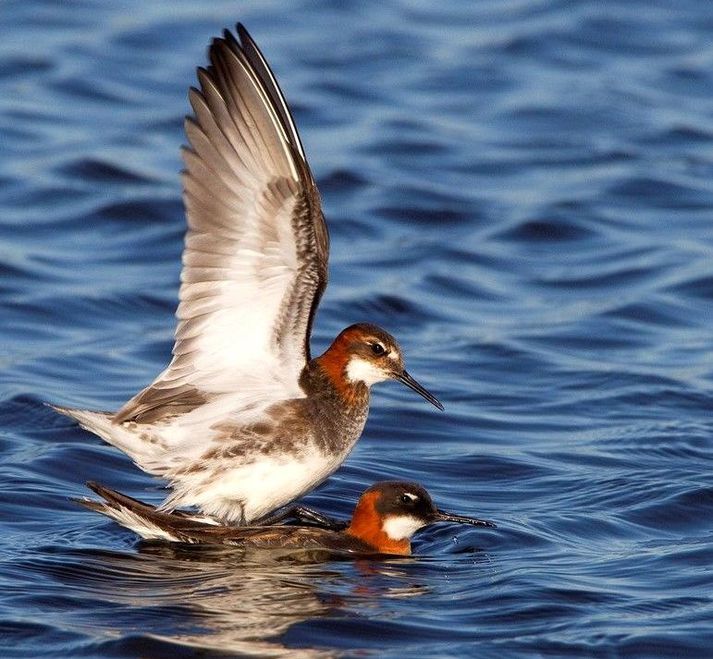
column 243, row 420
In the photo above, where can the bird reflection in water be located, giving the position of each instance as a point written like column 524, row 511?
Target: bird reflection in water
column 231, row 600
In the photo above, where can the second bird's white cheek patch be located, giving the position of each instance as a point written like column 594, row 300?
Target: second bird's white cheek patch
column 401, row 527
column 360, row 370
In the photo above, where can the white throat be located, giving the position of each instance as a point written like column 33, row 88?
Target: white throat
column 401, row 527
column 360, row 370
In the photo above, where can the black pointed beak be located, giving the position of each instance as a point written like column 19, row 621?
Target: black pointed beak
column 473, row 521
column 406, row 379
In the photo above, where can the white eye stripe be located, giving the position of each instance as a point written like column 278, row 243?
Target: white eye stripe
column 413, row 497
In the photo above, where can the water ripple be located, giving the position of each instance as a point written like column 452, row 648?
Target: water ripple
column 519, row 191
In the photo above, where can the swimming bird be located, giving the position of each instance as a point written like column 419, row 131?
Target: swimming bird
column 243, row 420
column 384, row 520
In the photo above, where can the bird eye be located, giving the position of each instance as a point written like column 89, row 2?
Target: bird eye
column 406, row 499
column 378, row 349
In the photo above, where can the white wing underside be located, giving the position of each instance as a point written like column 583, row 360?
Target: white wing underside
column 255, row 257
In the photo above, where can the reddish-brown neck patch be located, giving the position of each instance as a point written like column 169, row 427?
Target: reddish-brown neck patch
column 333, row 364
column 366, row 526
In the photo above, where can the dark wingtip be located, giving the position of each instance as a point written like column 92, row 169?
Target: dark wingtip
column 230, row 39
column 242, row 32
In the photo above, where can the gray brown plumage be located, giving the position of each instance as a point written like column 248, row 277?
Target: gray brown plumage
column 385, row 518
column 243, row 420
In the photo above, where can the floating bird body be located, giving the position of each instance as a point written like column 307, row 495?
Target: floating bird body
column 384, row 520
column 243, row 420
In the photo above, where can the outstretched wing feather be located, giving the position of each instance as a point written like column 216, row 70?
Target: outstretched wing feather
column 256, row 250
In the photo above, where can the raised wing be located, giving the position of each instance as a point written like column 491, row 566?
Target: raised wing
column 255, row 257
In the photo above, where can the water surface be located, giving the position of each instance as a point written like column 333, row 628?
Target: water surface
column 519, row 191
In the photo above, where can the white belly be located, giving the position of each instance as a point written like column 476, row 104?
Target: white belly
column 248, row 492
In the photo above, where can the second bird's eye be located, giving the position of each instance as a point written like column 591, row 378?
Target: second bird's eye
column 405, row 498
column 377, row 349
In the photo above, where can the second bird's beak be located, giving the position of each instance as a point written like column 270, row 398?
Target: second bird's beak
column 406, row 379
column 441, row 516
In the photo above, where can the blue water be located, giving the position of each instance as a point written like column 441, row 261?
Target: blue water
column 521, row 191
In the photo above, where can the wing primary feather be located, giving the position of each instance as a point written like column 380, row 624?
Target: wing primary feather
column 235, row 64
column 257, row 60
column 256, row 250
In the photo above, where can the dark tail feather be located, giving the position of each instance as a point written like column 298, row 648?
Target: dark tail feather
column 146, row 520
column 114, row 499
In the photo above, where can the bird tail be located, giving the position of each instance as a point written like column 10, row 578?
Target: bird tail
column 100, row 423
column 148, row 521
column 130, row 513
column 142, row 452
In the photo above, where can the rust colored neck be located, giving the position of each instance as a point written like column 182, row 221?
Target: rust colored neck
column 366, row 526
column 333, row 365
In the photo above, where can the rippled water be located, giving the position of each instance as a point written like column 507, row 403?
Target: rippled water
column 519, row 190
